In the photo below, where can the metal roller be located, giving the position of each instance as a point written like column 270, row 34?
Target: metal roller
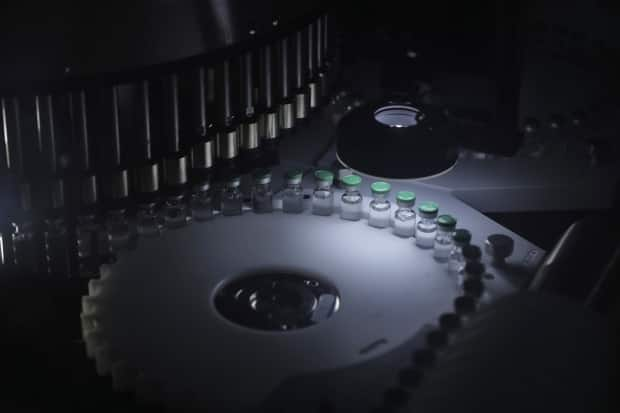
column 286, row 113
column 175, row 162
column 111, row 148
column 301, row 95
column 146, row 174
column 84, row 151
column 203, row 148
column 268, row 116
column 227, row 138
column 249, row 135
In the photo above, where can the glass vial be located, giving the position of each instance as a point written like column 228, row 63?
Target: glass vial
column 404, row 217
column 56, row 251
column 148, row 223
column 379, row 208
column 351, row 200
column 323, row 196
column 456, row 260
column 175, row 212
column 426, row 228
column 293, row 197
column 232, row 199
column 117, row 228
column 262, row 194
column 24, row 248
column 444, row 243
column 91, row 243
column 201, row 203
column 471, row 254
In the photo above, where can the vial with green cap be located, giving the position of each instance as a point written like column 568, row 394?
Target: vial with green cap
column 446, row 224
column 351, row 205
column 427, row 227
column 456, row 260
column 379, row 208
column 293, row 197
column 404, row 217
column 262, row 195
column 323, row 196
column 232, row 199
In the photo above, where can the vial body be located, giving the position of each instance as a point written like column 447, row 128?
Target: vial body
column 351, row 205
column 323, row 200
column 404, row 222
column 24, row 252
column 175, row 212
column 456, row 261
column 201, row 206
column 117, row 228
column 425, row 233
column 293, row 199
column 148, row 223
column 379, row 212
column 232, row 202
column 443, row 245
column 56, row 253
column 262, row 198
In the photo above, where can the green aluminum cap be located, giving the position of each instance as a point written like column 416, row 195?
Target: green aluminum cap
column 446, row 221
column 324, row 176
column 262, row 176
column 351, row 181
column 294, row 176
column 380, row 187
column 462, row 236
column 429, row 209
column 233, row 182
column 406, row 196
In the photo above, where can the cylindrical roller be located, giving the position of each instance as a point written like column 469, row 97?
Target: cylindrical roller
column 224, row 96
column 147, row 171
column 88, row 189
column 117, row 185
column 313, row 89
column 203, row 155
column 203, row 150
column 269, row 123
column 286, row 115
column 175, row 171
column 249, row 138
column 286, row 110
column 116, row 176
column 268, row 127
column 84, row 150
column 5, row 149
column 147, row 178
column 171, row 114
column 301, row 98
column 227, row 146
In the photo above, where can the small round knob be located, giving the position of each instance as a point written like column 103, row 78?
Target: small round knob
column 499, row 246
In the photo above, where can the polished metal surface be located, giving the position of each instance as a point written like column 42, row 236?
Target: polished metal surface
column 89, row 193
column 117, row 184
column 269, row 125
column 313, row 95
column 148, row 178
column 203, row 154
column 249, row 134
column 227, row 144
column 58, row 193
column 175, row 170
column 301, row 105
column 287, row 115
